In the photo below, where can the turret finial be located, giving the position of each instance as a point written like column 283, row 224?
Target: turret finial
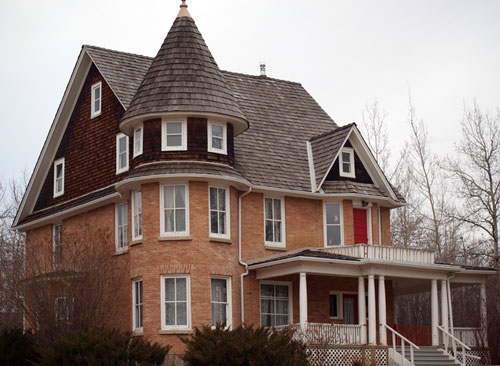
column 183, row 12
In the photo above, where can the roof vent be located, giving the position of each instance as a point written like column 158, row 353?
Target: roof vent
column 262, row 69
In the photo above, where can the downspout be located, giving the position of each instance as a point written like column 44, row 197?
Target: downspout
column 239, row 257
column 450, row 314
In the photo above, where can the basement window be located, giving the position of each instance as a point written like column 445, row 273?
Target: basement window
column 59, row 177
column 96, row 97
column 346, row 163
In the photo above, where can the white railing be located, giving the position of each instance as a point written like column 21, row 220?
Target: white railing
column 454, row 341
column 404, row 340
column 470, row 336
column 331, row 334
column 382, row 252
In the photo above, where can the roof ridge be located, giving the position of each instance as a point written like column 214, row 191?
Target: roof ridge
column 116, row 51
column 332, row 131
column 259, row 77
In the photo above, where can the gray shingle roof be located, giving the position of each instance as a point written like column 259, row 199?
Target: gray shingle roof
column 311, row 253
column 184, row 77
column 346, row 186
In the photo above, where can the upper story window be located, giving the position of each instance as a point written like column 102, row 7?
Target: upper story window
column 121, row 153
column 96, row 96
column 121, row 227
column 138, row 134
column 274, row 221
column 137, row 303
column 175, row 210
column 175, row 302
column 137, row 215
column 217, row 138
column 275, row 306
column 57, row 246
column 220, row 301
column 333, row 224
column 219, row 212
column 346, row 163
column 59, row 177
column 174, row 136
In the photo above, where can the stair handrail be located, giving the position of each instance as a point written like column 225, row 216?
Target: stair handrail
column 464, row 347
column 412, row 345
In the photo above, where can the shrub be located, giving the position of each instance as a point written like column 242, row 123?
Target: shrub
column 101, row 347
column 17, row 348
column 244, row 346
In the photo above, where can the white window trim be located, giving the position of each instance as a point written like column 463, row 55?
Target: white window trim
column 125, row 247
column 163, row 232
column 62, row 162
column 227, row 235
column 224, row 135
column 164, row 146
column 282, row 243
column 340, row 312
column 93, row 112
column 229, row 308
column 290, row 298
column 341, row 213
column 54, row 264
column 188, row 302
column 350, row 151
column 139, row 150
column 134, row 237
column 134, row 304
column 125, row 168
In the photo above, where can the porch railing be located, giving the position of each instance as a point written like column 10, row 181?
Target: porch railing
column 470, row 336
column 330, row 334
column 403, row 340
column 455, row 341
column 384, row 253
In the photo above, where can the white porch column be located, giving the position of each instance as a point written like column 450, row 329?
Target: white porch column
column 303, row 299
column 444, row 311
column 434, row 313
column 372, row 328
column 382, row 311
column 484, row 324
column 362, row 308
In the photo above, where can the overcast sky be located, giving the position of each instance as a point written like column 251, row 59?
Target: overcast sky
column 345, row 53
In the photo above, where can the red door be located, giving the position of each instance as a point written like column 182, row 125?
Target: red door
column 360, row 226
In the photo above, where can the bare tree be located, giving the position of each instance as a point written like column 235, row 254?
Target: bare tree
column 477, row 171
column 374, row 129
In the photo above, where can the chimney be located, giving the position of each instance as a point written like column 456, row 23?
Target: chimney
column 262, row 69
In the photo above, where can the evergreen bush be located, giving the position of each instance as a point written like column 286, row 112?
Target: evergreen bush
column 17, row 348
column 244, row 346
column 102, row 347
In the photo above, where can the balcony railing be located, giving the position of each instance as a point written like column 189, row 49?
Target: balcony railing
column 330, row 334
column 384, row 253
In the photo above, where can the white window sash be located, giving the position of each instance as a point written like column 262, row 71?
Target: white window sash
column 274, row 299
column 227, row 303
column 120, row 153
column 183, row 134
column 96, row 101
column 164, row 326
column 121, row 227
column 218, row 212
column 138, row 140
column 273, row 220
column 211, row 148
column 175, row 209
column 137, row 215
column 137, row 306
column 352, row 173
column 326, row 225
column 59, row 179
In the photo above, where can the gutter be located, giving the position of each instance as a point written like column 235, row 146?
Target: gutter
column 239, row 257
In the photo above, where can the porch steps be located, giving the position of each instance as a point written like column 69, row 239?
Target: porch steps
column 429, row 356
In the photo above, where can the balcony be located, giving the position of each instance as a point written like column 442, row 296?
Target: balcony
column 384, row 253
column 329, row 334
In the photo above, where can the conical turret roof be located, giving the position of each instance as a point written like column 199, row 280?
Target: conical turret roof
column 184, row 77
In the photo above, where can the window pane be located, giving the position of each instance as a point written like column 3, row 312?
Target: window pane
column 169, row 289
column 281, row 291
column 175, row 140
column 59, row 185
column 265, row 320
column 217, row 131
column 181, row 313
column 169, row 221
column 174, row 128
column 266, row 306
column 267, row 290
column 333, row 235
column 180, row 220
column 346, row 157
column 213, row 198
column 59, row 170
column 269, row 231
column 170, row 313
column 122, row 143
column 222, row 199
column 180, row 193
column 168, row 197
column 123, row 160
column 269, row 208
column 214, row 222
column 97, row 92
column 219, row 315
column 217, row 143
column 277, row 231
column 333, row 306
column 219, row 290
column 181, row 289
column 346, row 167
column 222, row 223
column 282, row 307
column 277, row 209
column 281, row 320
column 332, row 214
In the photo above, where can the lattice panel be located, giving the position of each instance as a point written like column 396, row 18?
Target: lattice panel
column 485, row 358
column 337, row 356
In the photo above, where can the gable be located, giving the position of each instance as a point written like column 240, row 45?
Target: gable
column 361, row 174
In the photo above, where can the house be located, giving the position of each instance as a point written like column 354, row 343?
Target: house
column 227, row 198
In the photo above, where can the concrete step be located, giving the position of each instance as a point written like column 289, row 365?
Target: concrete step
column 429, row 356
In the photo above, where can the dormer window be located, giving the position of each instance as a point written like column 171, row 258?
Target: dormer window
column 217, row 141
column 346, row 163
column 59, row 177
column 96, row 96
column 174, row 136
column 121, row 153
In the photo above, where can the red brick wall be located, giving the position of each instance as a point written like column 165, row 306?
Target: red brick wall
column 385, row 218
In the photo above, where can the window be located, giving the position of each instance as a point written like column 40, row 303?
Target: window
column 175, row 212
column 121, row 226
column 64, row 309
column 121, row 153
column 217, row 141
column 346, row 163
column 333, row 224
column 174, row 136
column 335, row 310
column 59, row 177
column 219, row 212
column 57, row 246
column 274, row 221
column 138, row 133
column 95, row 109
column 137, row 215
column 137, row 303
column 275, row 309
column 176, row 302
column 220, row 301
